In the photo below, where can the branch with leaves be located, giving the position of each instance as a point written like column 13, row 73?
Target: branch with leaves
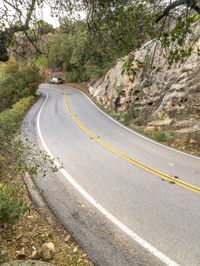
column 7, row 33
column 192, row 4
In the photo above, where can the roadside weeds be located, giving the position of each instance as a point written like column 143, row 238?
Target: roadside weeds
column 38, row 235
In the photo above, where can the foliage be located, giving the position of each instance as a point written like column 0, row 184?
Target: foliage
column 17, row 81
column 40, row 61
column 127, row 65
column 10, row 118
column 82, row 55
column 11, row 147
column 72, row 26
column 174, row 39
column 42, row 27
column 70, row 51
column 17, row 87
column 160, row 136
column 124, row 25
column 10, row 207
column 85, row 50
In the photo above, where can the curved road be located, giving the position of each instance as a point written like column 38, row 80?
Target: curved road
column 135, row 201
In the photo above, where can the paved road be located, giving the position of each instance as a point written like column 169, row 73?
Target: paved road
column 128, row 179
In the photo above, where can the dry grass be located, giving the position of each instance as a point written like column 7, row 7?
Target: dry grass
column 31, row 232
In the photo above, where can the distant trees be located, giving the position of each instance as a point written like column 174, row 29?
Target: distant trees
column 69, row 50
column 42, row 27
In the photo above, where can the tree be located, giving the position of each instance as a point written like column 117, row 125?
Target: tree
column 42, row 27
column 30, row 43
column 188, row 3
column 14, row 20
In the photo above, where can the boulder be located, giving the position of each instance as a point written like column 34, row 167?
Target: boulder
column 46, row 252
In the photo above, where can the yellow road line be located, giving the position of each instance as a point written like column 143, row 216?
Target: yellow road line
column 127, row 157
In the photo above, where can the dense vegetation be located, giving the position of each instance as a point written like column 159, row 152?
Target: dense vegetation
column 83, row 54
column 17, row 88
column 123, row 25
column 17, row 81
column 87, row 49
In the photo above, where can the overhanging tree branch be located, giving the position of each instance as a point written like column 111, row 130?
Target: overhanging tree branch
column 8, row 33
column 189, row 3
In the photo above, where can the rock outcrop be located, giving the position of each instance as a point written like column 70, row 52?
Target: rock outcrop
column 157, row 94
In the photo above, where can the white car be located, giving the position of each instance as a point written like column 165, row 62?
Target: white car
column 56, row 80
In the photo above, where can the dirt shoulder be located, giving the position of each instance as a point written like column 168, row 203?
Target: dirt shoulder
column 33, row 237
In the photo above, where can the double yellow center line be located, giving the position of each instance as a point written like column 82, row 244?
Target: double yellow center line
column 127, row 157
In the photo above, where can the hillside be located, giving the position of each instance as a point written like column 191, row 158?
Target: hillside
column 160, row 99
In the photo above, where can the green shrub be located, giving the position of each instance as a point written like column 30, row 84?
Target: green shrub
column 11, row 160
column 10, row 118
column 161, row 136
column 41, row 61
column 17, row 80
column 18, row 84
column 10, row 207
column 72, row 76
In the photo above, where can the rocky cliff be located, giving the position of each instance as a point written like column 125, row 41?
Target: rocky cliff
column 148, row 92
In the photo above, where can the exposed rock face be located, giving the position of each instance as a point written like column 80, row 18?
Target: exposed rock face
column 160, row 95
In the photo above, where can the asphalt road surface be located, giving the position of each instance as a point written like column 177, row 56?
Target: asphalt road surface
column 126, row 199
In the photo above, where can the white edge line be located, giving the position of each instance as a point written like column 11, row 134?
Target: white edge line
column 132, row 131
column 161, row 256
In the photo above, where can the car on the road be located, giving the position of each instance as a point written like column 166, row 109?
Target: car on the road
column 56, row 80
